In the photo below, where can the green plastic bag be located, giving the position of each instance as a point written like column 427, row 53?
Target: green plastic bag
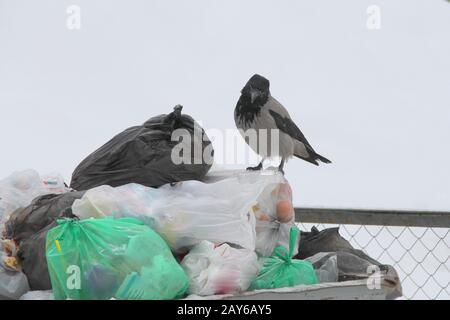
column 280, row 270
column 97, row 259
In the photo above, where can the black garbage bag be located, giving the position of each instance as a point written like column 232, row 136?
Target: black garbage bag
column 319, row 247
column 28, row 228
column 142, row 154
column 327, row 240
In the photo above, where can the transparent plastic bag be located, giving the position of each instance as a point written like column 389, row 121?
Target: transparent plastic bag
column 54, row 183
column 38, row 295
column 326, row 266
column 275, row 216
column 13, row 282
column 219, row 270
column 188, row 212
column 21, row 187
column 99, row 259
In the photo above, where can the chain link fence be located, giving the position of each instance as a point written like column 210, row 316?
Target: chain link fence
column 416, row 244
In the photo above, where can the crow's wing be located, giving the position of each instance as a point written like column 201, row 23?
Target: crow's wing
column 286, row 125
column 274, row 105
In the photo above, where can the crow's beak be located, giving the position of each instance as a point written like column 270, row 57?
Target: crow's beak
column 253, row 95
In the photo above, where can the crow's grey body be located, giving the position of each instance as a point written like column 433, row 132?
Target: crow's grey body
column 285, row 146
column 258, row 110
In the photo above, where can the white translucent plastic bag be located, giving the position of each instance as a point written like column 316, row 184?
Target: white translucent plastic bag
column 38, row 295
column 188, row 212
column 219, row 269
column 54, row 183
column 20, row 188
column 13, row 283
column 275, row 216
column 328, row 270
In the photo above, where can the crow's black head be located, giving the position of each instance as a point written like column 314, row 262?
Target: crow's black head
column 257, row 90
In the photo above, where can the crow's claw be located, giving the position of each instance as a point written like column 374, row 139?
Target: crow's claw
column 258, row 167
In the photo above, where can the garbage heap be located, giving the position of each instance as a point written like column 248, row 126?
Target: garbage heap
column 134, row 225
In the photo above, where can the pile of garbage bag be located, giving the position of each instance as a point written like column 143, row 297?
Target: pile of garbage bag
column 135, row 226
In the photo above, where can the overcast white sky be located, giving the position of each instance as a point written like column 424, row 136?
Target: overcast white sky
column 376, row 102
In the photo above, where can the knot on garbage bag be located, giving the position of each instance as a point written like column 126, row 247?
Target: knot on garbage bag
column 282, row 253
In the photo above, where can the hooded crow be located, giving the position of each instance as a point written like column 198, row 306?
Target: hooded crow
column 258, row 110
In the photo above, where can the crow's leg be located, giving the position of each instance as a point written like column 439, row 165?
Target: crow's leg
column 258, row 167
column 281, row 166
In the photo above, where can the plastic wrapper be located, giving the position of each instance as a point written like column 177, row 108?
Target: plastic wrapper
column 219, row 270
column 100, row 259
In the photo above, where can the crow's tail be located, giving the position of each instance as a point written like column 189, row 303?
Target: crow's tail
column 322, row 158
